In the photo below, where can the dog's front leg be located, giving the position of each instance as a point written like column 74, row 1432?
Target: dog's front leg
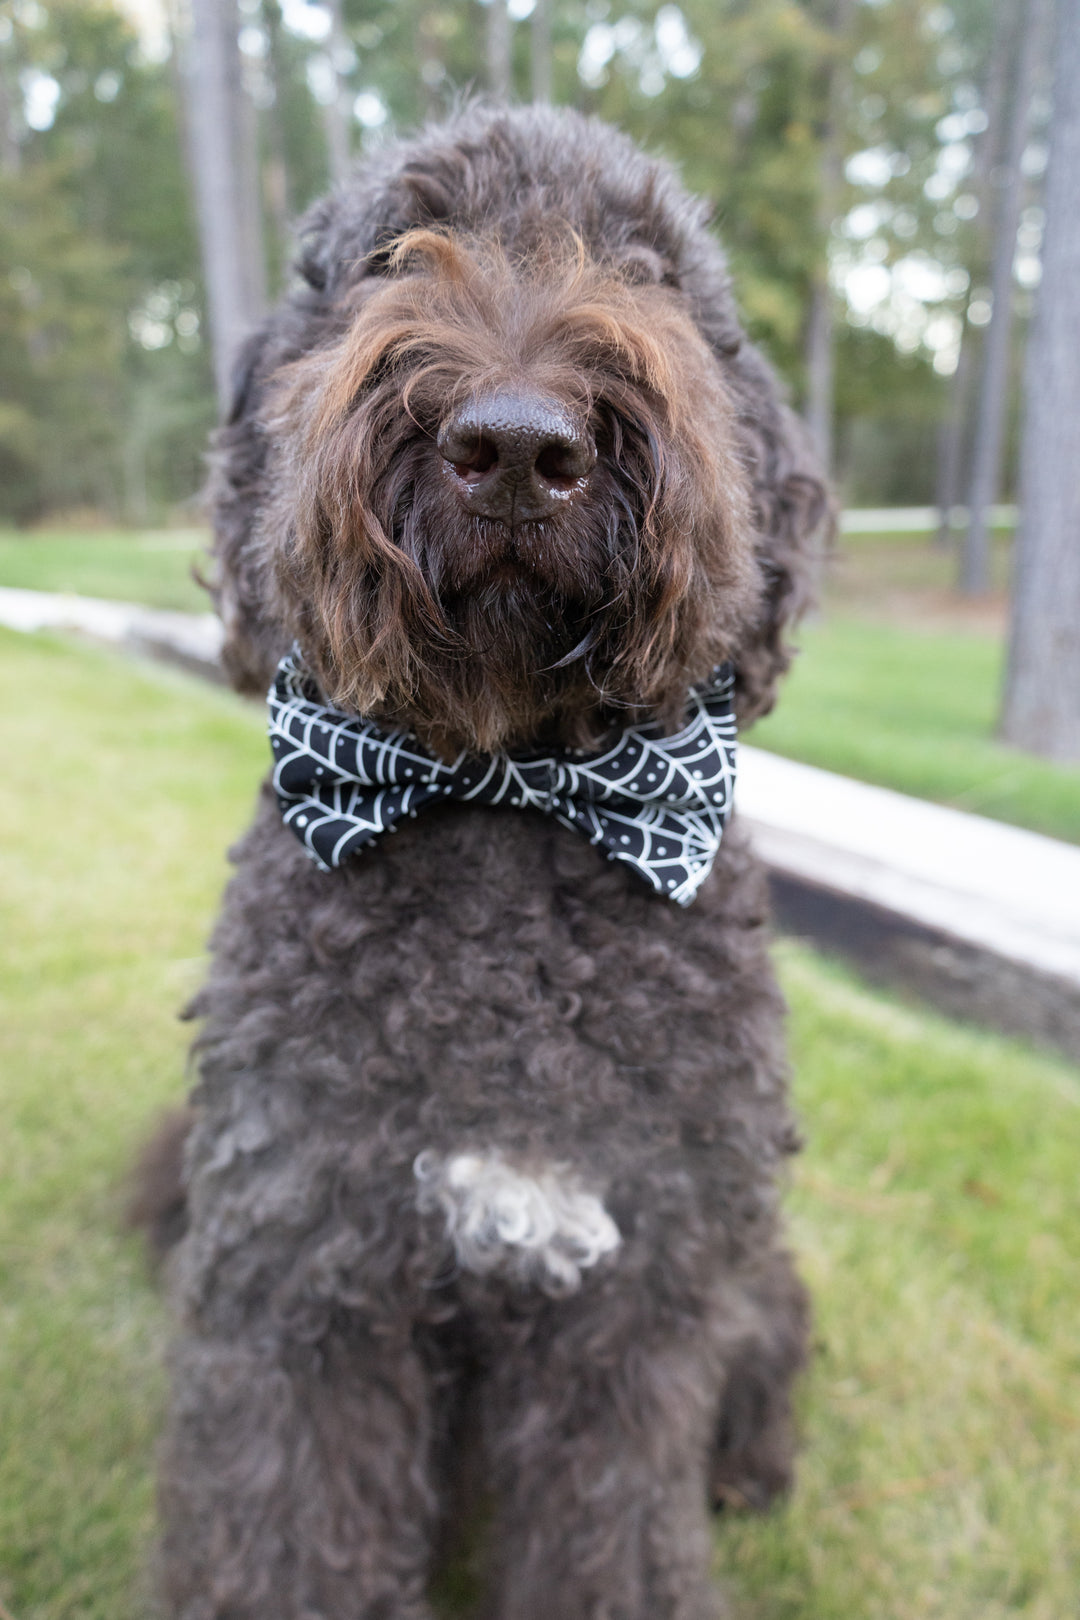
column 297, row 1481
column 599, row 1474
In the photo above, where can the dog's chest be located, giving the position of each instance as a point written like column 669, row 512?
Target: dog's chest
column 488, row 966
column 484, row 1025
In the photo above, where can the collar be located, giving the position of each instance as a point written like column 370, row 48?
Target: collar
column 659, row 803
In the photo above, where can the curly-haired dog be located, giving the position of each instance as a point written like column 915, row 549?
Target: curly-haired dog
column 488, row 1127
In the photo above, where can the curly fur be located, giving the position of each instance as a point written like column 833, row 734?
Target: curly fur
column 483, row 988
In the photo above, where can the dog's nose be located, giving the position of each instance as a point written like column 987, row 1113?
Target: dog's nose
column 516, row 456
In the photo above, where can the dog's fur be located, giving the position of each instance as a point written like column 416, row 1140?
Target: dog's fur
column 481, row 1026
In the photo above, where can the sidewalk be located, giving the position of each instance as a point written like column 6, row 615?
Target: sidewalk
column 190, row 639
column 914, row 519
column 979, row 917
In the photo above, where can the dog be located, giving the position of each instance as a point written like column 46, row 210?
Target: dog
column 480, row 1227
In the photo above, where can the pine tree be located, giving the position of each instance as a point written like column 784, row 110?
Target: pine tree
column 1042, row 695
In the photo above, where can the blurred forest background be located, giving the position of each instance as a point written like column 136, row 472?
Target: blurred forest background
column 860, row 156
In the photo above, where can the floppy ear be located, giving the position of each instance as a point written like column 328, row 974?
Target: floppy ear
column 245, row 461
column 339, row 245
column 241, row 584
column 792, row 507
column 795, row 519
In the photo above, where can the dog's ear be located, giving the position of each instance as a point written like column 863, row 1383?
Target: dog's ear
column 240, row 583
column 794, row 516
column 341, row 243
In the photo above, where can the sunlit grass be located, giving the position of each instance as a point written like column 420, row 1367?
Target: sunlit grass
column 936, row 1216
column 122, row 788
column 154, row 567
column 916, row 710
column 935, row 1211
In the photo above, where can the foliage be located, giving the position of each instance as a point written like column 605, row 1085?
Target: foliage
column 99, row 405
column 933, row 1211
column 60, row 344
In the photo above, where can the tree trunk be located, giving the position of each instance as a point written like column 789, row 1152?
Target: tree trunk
column 1042, row 700
column 953, row 432
column 10, row 151
column 950, row 442
column 211, row 87
column 994, row 387
column 498, row 49
column 276, row 188
column 819, row 368
column 336, row 112
column 541, row 51
column 249, row 191
column 819, row 326
column 432, row 67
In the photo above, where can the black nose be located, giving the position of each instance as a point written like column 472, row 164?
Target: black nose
column 516, row 456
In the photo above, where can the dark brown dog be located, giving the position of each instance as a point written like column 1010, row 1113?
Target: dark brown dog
column 505, row 469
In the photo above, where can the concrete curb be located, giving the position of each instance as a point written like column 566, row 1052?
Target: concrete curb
column 979, row 917
column 192, row 640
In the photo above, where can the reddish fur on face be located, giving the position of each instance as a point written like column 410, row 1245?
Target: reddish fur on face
column 474, row 633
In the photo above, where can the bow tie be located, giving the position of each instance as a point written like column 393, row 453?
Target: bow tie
column 659, row 803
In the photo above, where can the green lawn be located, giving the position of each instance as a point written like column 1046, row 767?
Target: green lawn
column 915, row 710
column 154, row 567
column 936, row 1210
column 867, row 570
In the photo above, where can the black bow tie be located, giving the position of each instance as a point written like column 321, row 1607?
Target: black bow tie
column 659, row 803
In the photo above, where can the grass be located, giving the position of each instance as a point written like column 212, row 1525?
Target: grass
column 154, row 567
column 915, row 711
column 935, row 1211
column 899, row 681
column 881, row 572
column 125, row 787
column 935, row 1215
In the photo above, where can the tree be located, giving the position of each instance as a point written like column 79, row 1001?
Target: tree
column 953, row 434
column 277, row 187
column 541, row 51
column 226, row 190
column 1042, row 693
column 101, row 364
column 498, row 49
column 336, row 110
column 820, row 343
column 993, row 391
column 743, row 98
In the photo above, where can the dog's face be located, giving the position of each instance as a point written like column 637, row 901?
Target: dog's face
column 508, row 502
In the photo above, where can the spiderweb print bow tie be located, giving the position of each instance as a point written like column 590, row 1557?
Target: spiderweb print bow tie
column 659, row 803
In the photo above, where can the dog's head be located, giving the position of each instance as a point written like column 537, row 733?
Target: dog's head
column 510, row 497
column 515, row 492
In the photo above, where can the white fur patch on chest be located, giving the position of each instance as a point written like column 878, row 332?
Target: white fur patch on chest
column 539, row 1227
